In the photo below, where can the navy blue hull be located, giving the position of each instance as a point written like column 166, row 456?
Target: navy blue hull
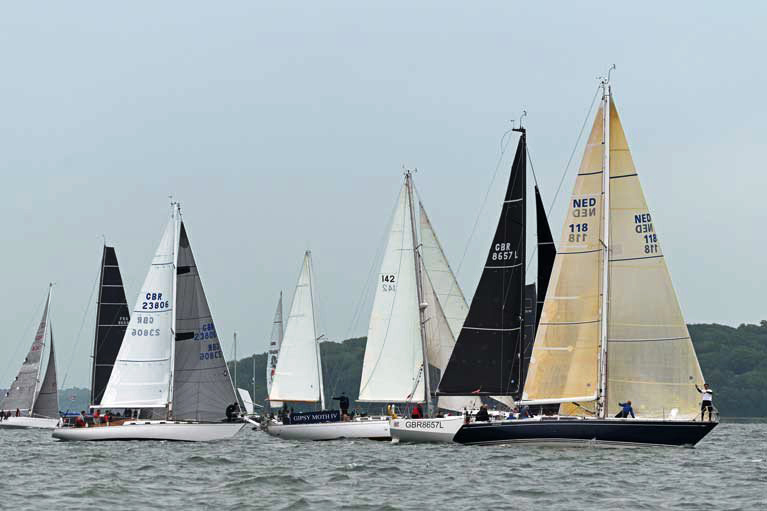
column 573, row 431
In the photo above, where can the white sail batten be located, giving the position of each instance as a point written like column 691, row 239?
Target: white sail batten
column 275, row 341
column 393, row 363
column 651, row 359
column 564, row 361
column 297, row 374
column 202, row 387
column 141, row 374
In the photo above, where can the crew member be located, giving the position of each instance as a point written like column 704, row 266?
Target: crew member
column 417, row 412
column 626, row 410
column 706, row 401
column 80, row 420
column 482, row 415
column 343, row 403
column 230, row 412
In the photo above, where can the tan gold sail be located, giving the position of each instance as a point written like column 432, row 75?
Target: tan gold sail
column 564, row 364
column 650, row 356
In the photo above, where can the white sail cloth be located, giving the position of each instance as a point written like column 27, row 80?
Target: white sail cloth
column 297, row 376
column 392, row 370
column 275, row 341
column 141, row 374
column 47, row 401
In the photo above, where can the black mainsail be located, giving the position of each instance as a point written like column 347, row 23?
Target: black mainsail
column 112, row 317
column 487, row 358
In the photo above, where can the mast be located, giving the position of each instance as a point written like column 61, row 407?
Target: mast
column 602, row 403
column 96, row 330
column 419, row 286
column 235, row 362
column 45, row 333
column 176, row 215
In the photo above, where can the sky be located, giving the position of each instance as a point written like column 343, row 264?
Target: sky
column 282, row 128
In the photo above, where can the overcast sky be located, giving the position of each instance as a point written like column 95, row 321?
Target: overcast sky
column 286, row 128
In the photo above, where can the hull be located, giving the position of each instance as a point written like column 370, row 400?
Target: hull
column 425, row 430
column 29, row 423
column 153, row 430
column 573, row 431
column 374, row 429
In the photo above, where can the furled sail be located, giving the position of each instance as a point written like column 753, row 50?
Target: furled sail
column 650, row 356
column 47, row 402
column 297, row 376
column 21, row 393
column 141, row 374
column 202, row 388
column 487, row 356
column 446, row 309
column 112, row 316
column 564, row 363
column 275, row 342
column 392, row 369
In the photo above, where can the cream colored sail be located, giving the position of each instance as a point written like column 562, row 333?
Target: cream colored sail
column 564, row 363
column 650, row 357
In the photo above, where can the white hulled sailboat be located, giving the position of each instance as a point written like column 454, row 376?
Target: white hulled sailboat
column 170, row 370
column 36, row 402
column 611, row 328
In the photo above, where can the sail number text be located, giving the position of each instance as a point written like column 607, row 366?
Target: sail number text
column 154, row 301
column 582, row 208
column 144, row 332
column 388, row 283
column 644, row 228
column 503, row 252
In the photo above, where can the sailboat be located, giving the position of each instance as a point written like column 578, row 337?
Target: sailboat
column 298, row 376
column 170, row 371
column 37, row 403
column 611, row 328
column 274, row 350
column 492, row 338
column 112, row 318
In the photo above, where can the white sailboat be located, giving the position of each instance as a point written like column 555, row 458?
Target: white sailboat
column 274, row 350
column 37, row 402
column 170, row 370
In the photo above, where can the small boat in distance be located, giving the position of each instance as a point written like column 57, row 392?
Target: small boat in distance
column 170, row 373
column 611, row 329
column 37, row 403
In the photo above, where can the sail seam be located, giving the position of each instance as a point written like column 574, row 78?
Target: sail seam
column 571, row 322
column 581, row 252
column 625, row 175
column 635, row 258
column 650, row 340
column 502, row 267
column 491, row 329
column 590, row 173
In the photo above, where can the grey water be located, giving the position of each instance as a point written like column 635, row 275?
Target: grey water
column 728, row 470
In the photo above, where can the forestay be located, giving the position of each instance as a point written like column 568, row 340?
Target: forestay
column 202, row 388
column 392, row 370
column 141, row 373
column 297, row 375
column 651, row 359
column 21, row 393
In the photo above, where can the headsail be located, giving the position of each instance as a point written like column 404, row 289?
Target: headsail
column 112, row 317
column 202, row 388
column 547, row 252
column 21, row 393
column 297, row 376
column 141, row 374
column 392, row 370
column 47, row 402
column 651, row 359
column 487, row 358
column 275, row 342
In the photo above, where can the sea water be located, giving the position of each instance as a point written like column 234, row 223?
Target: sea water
column 728, row 470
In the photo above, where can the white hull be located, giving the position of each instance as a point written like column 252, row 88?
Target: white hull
column 153, row 430
column 425, row 430
column 29, row 423
column 377, row 429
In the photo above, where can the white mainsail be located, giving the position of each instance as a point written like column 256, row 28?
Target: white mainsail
column 298, row 375
column 47, row 401
column 22, row 392
column 202, row 387
column 446, row 308
column 141, row 374
column 275, row 342
column 392, row 370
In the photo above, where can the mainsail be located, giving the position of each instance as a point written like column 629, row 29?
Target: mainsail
column 487, row 359
column 23, row 390
column 141, row 374
column 649, row 353
column 392, row 369
column 47, row 402
column 275, row 342
column 202, row 387
column 298, row 375
column 112, row 317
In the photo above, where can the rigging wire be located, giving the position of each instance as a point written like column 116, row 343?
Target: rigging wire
column 10, row 360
